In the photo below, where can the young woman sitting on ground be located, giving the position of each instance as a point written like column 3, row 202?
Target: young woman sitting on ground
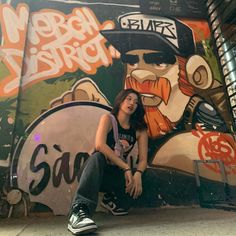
column 108, row 171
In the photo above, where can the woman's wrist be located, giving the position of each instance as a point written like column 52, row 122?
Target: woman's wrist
column 139, row 171
column 127, row 169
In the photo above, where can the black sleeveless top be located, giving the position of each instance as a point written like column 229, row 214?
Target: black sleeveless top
column 127, row 138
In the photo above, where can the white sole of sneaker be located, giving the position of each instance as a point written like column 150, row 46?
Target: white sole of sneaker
column 112, row 212
column 84, row 230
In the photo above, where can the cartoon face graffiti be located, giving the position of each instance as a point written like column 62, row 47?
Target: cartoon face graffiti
column 148, row 71
column 150, row 47
column 158, row 53
column 155, row 75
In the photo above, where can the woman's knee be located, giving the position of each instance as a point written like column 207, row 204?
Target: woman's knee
column 98, row 158
column 95, row 164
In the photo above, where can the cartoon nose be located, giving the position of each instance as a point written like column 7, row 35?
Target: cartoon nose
column 143, row 75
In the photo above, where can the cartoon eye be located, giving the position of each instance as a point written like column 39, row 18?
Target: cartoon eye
column 160, row 66
column 135, row 65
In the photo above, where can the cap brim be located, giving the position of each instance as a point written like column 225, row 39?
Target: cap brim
column 127, row 40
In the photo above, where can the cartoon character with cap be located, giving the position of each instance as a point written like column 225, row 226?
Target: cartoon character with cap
column 160, row 64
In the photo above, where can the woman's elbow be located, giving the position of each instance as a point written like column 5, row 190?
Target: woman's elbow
column 98, row 146
column 144, row 163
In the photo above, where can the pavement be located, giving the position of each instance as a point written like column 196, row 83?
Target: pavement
column 167, row 221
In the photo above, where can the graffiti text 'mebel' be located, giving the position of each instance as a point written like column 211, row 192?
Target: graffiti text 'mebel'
column 60, row 168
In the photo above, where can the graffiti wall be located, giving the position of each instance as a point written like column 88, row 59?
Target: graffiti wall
column 62, row 64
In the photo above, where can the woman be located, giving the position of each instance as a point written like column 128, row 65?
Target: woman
column 105, row 170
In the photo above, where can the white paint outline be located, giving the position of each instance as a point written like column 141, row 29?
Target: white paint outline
column 96, row 3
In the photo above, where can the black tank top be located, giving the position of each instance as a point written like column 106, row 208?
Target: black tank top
column 126, row 136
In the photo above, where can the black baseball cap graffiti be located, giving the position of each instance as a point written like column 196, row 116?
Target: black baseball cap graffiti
column 138, row 31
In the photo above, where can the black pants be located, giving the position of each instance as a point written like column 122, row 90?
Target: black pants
column 98, row 176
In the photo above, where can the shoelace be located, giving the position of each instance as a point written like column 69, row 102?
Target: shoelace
column 81, row 214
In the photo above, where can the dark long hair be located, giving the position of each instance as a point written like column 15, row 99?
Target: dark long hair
column 137, row 121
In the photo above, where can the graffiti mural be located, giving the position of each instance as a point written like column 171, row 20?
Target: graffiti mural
column 77, row 57
column 176, row 84
column 13, row 24
column 13, row 28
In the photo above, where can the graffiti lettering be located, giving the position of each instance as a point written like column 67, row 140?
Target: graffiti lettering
column 64, row 167
column 61, row 168
column 217, row 146
column 152, row 25
column 14, row 27
column 13, row 57
column 37, row 189
column 59, row 43
column 134, row 22
column 14, row 22
column 71, row 57
column 166, row 27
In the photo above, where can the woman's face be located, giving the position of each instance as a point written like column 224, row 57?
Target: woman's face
column 130, row 103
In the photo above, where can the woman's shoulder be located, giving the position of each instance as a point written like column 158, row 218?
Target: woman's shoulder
column 106, row 119
column 106, row 116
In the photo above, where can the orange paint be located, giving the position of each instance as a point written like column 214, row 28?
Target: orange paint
column 14, row 28
column 200, row 29
column 58, row 43
column 217, row 146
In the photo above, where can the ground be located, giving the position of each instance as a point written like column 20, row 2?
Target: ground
column 168, row 221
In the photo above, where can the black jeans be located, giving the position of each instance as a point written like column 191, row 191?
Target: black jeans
column 98, row 176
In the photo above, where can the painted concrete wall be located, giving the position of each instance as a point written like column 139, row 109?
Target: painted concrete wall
column 62, row 64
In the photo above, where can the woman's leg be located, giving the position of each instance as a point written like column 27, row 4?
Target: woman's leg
column 90, row 182
column 114, row 182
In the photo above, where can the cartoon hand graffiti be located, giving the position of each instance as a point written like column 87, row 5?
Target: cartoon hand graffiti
column 83, row 90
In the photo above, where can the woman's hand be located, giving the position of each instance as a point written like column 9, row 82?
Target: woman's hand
column 128, row 181
column 137, row 188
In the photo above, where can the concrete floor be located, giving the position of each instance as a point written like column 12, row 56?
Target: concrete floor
column 182, row 221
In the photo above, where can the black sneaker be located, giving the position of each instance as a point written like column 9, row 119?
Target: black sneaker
column 110, row 203
column 80, row 223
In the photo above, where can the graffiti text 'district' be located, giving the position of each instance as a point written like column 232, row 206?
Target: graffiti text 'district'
column 56, row 43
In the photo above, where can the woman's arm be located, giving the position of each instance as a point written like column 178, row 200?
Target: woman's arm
column 104, row 128
column 137, row 188
column 142, row 139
